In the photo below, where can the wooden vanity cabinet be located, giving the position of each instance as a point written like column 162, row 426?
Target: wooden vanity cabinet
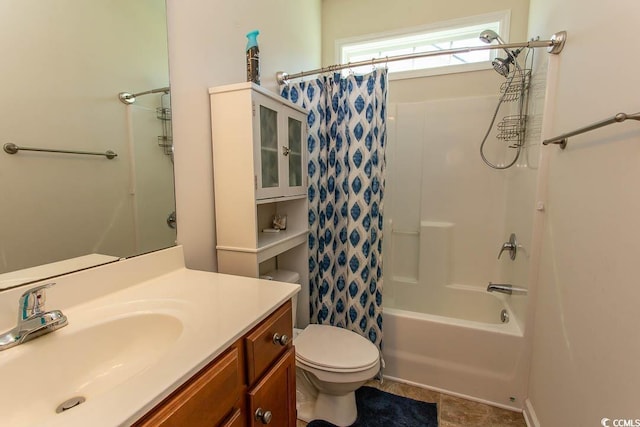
column 251, row 384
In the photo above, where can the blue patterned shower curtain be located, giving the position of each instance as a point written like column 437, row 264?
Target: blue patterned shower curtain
column 346, row 143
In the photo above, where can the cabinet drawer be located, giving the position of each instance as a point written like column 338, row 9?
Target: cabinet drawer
column 206, row 399
column 261, row 349
column 273, row 399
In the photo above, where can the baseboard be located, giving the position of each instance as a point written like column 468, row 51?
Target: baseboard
column 453, row 393
column 530, row 415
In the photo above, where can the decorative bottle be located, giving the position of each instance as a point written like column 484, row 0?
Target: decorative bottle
column 253, row 57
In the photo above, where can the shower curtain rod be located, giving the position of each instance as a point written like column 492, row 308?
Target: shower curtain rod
column 554, row 45
column 130, row 98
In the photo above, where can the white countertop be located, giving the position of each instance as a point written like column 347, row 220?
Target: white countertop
column 40, row 272
column 214, row 309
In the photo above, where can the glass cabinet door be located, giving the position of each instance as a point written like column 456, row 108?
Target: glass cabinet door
column 279, row 149
column 269, row 147
column 295, row 152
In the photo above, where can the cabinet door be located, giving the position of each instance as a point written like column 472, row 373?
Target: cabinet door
column 273, row 400
column 206, row 399
column 295, row 153
column 279, row 149
column 267, row 154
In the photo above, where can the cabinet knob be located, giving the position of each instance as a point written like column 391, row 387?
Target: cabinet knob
column 263, row 416
column 285, row 150
column 280, row 339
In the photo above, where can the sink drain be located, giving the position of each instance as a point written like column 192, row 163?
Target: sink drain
column 69, row 404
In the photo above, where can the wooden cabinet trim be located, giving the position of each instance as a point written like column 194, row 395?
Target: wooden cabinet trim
column 236, row 419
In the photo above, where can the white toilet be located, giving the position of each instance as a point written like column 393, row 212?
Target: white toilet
column 331, row 363
column 336, row 362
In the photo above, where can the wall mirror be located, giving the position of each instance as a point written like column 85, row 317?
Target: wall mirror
column 64, row 64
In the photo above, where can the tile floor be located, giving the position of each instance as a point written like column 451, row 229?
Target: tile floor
column 452, row 411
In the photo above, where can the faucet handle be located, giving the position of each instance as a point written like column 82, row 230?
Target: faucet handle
column 32, row 302
column 511, row 246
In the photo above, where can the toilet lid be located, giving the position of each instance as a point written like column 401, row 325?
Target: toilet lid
column 333, row 347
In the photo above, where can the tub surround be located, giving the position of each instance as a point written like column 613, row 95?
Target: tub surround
column 470, row 359
column 214, row 310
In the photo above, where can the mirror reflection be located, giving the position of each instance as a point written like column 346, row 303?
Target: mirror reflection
column 65, row 62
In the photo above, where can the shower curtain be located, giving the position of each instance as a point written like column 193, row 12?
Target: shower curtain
column 346, row 146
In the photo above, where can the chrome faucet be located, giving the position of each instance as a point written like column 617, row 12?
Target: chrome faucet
column 33, row 320
column 505, row 288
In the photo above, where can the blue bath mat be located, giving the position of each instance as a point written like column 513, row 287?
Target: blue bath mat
column 377, row 408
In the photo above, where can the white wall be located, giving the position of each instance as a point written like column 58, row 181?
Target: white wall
column 63, row 65
column 585, row 360
column 207, row 48
column 349, row 18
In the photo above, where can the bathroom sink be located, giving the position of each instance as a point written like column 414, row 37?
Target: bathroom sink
column 138, row 330
column 82, row 360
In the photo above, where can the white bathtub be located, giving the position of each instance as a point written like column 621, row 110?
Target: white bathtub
column 462, row 349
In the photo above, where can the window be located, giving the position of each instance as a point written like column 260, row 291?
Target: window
column 442, row 36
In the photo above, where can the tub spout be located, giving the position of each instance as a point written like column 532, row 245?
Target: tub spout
column 505, row 289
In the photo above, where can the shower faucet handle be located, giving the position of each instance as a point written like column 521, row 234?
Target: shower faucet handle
column 511, row 246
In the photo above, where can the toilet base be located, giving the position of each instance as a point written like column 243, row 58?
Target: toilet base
column 338, row 410
column 306, row 396
column 312, row 404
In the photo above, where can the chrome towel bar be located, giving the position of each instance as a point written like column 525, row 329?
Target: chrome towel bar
column 562, row 139
column 11, row 148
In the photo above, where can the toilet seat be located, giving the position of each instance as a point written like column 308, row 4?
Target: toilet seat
column 341, row 377
column 333, row 349
column 308, row 364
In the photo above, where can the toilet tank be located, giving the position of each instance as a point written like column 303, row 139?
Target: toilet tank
column 287, row 277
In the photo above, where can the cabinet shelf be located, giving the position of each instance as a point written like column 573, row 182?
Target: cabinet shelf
column 280, row 199
column 272, row 244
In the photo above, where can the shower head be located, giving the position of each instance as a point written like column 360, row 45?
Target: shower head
column 499, row 64
column 488, row 36
column 502, row 65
